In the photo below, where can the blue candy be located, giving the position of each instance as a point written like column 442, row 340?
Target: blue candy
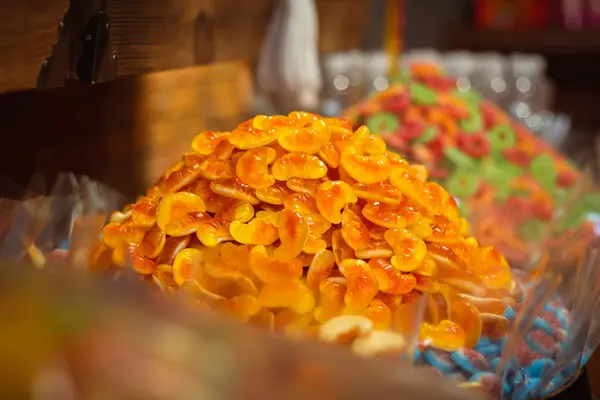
column 444, row 366
column 490, row 351
column 463, row 362
column 538, row 367
column 478, row 377
column 528, row 389
column 541, row 324
column 510, row 313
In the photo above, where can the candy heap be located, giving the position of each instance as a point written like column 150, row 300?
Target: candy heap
column 298, row 223
column 522, row 192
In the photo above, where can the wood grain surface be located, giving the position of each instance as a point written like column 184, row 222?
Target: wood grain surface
column 28, row 29
column 155, row 35
column 124, row 133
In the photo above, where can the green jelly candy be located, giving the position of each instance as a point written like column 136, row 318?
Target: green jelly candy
column 502, row 137
column 383, row 123
column 422, row 95
column 592, row 202
column 574, row 217
column 503, row 190
column 458, row 158
column 473, row 123
column 469, row 96
column 543, row 170
column 560, row 196
column 500, row 179
column 427, row 136
column 503, row 170
column 462, row 184
column 532, row 231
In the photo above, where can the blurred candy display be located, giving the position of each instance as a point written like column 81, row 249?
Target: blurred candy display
column 517, row 83
column 519, row 192
column 307, row 227
column 84, row 339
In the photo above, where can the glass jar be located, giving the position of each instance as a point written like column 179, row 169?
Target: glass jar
column 460, row 65
column 530, row 90
column 490, row 78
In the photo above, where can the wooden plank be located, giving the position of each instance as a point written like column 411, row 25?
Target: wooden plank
column 153, row 35
column 157, row 35
column 124, row 133
column 28, row 29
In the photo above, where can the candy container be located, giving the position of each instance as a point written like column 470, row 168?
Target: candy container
column 519, row 194
column 315, row 230
column 85, row 338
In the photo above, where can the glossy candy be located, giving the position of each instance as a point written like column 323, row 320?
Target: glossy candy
column 215, row 169
column 214, row 231
column 332, row 196
column 254, row 133
column 354, row 232
column 298, row 165
column 362, row 284
column 207, row 142
column 257, row 231
column 293, row 234
column 253, row 167
column 233, row 188
column 365, row 168
column 306, row 137
column 295, row 222
column 181, row 213
column 409, row 249
column 273, row 270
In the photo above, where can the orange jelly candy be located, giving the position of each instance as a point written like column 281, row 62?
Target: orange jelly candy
column 298, row 165
column 354, row 232
column 365, row 168
column 207, row 142
column 253, row 167
column 272, row 270
column 293, row 234
column 332, row 196
column 300, row 224
column 181, row 213
column 409, row 249
column 390, row 279
column 305, row 137
column 362, row 283
column 382, row 192
column 256, row 132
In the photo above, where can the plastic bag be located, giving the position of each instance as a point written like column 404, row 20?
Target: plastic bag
column 70, row 216
column 84, row 338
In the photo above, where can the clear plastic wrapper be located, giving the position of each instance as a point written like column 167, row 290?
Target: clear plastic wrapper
column 73, row 338
column 304, row 226
column 70, row 215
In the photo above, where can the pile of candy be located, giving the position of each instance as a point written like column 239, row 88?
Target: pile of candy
column 300, row 224
column 519, row 191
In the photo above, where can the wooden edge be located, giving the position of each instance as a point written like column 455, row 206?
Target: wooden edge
column 157, row 35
